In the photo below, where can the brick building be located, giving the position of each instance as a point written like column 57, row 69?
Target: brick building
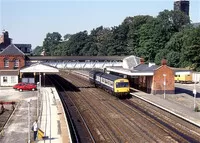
column 163, row 79
column 11, row 61
column 149, row 78
column 5, row 41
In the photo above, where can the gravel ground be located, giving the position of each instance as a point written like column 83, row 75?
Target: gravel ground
column 16, row 131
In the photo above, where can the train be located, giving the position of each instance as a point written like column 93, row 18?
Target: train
column 184, row 78
column 115, row 85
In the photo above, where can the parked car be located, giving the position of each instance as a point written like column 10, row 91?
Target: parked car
column 16, row 86
column 28, row 86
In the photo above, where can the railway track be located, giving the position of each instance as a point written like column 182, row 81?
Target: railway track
column 113, row 120
column 5, row 116
column 78, row 127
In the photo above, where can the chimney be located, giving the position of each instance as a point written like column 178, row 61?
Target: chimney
column 151, row 64
column 164, row 62
column 141, row 60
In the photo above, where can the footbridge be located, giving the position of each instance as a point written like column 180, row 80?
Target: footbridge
column 79, row 62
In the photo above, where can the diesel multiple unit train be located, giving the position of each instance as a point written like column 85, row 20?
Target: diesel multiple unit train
column 116, row 85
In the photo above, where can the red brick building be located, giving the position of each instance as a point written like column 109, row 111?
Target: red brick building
column 12, row 58
column 163, row 79
column 149, row 78
column 11, row 61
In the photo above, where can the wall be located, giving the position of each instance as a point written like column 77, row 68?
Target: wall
column 158, row 80
column 11, row 80
column 11, row 61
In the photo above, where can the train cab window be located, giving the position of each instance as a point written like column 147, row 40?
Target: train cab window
column 121, row 84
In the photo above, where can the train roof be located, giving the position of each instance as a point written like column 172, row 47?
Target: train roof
column 95, row 71
column 108, row 76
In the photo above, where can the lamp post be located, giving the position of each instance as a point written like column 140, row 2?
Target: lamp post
column 195, row 92
column 164, row 83
column 38, row 95
column 40, row 79
column 44, row 79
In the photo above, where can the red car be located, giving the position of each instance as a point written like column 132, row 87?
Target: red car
column 28, row 86
column 16, row 86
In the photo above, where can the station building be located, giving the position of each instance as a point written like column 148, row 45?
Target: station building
column 149, row 78
column 11, row 61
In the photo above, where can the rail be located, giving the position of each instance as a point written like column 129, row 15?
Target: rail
column 70, row 120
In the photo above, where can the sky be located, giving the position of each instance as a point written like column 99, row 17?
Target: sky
column 28, row 21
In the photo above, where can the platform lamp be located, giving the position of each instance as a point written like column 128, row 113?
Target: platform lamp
column 195, row 92
column 164, row 83
column 44, row 78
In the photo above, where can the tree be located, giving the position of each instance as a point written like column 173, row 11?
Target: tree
column 77, row 42
column 67, row 37
column 50, row 42
column 191, row 48
column 38, row 50
column 135, row 24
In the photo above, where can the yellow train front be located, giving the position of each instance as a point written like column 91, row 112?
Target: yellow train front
column 116, row 85
column 121, row 87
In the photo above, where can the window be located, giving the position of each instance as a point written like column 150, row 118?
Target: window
column 16, row 63
column 5, row 79
column 6, row 63
column 121, row 84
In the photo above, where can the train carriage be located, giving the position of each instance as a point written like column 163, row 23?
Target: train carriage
column 116, row 85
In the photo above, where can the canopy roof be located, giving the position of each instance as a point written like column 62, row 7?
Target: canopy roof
column 39, row 68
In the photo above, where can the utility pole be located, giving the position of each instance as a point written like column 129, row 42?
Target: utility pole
column 164, row 83
column 195, row 92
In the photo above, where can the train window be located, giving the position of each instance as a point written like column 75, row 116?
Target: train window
column 121, row 84
column 106, row 81
column 109, row 82
column 98, row 78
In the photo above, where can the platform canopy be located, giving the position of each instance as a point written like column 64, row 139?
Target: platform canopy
column 39, row 68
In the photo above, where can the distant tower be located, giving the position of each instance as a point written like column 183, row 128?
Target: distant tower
column 182, row 5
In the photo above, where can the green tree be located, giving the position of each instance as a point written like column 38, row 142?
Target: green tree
column 38, row 50
column 191, row 49
column 50, row 42
column 135, row 24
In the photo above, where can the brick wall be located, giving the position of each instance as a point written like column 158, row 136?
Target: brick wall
column 11, row 61
column 158, row 79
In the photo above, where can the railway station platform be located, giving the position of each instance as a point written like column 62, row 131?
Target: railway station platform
column 181, row 105
column 52, row 120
